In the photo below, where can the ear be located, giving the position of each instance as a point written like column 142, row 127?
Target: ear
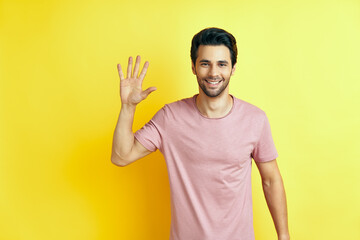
column 233, row 69
column 193, row 68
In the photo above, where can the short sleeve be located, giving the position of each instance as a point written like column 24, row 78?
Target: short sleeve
column 264, row 149
column 150, row 134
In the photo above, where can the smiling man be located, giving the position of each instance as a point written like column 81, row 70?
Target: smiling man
column 208, row 141
column 218, row 76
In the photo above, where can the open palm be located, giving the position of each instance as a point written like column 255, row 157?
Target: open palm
column 131, row 87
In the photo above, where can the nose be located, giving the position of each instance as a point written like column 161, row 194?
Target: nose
column 213, row 72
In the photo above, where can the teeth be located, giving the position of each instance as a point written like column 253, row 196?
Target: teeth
column 213, row 82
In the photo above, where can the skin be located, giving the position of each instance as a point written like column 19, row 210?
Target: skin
column 274, row 192
column 213, row 64
column 126, row 149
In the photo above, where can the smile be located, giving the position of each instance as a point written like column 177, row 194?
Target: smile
column 212, row 82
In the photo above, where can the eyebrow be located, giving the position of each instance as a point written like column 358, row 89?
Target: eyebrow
column 207, row 61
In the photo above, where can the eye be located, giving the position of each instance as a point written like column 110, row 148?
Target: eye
column 204, row 64
column 222, row 65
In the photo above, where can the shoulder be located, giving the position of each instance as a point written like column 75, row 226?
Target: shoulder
column 248, row 108
column 179, row 107
column 252, row 113
column 176, row 109
column 185, row 102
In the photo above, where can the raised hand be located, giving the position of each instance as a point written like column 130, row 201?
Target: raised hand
column 131, row 92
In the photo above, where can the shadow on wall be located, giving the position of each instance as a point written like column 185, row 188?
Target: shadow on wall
column 122, row 198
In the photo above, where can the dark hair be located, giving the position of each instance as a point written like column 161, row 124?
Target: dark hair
column 215, row 37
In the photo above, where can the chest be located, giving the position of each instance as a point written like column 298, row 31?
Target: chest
column 220, row 143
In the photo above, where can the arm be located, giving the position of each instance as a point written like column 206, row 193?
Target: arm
column 275, row 196
column 125, row 148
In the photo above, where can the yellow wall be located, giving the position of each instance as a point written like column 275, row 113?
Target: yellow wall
column 59, row 102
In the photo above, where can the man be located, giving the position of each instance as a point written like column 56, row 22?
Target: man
column 208, row 141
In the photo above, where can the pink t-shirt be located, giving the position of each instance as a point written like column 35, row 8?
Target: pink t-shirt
column 209, row 166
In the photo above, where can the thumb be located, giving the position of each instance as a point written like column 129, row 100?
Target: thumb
column 145, row 93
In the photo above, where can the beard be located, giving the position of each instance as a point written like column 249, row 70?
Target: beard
column 212, row 92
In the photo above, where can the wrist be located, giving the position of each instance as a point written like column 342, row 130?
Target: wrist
column 284, row 237
column 128, row 106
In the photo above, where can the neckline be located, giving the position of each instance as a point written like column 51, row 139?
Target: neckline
column 205, row 117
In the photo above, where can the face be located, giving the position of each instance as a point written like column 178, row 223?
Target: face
column 213, row 69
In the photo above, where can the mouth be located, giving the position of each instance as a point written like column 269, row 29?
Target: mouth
column 213, row 83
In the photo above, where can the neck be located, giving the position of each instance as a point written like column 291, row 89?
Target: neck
column 214, row 107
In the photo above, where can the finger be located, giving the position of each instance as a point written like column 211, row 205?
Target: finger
column 137, row 66
column 121, row 74
column 145, row 93
column 144, row 70
column 128, row 75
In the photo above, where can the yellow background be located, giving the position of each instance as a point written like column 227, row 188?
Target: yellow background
column 59, row 99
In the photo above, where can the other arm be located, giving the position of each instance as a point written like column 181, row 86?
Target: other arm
column 125, row 148
column 275, row 196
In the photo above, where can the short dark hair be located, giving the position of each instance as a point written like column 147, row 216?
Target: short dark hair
column 215, row 37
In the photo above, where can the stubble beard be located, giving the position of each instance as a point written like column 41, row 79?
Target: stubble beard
column 212, row 94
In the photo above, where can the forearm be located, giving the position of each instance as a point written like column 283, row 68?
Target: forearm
column 276, row 200
column 123, row 139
